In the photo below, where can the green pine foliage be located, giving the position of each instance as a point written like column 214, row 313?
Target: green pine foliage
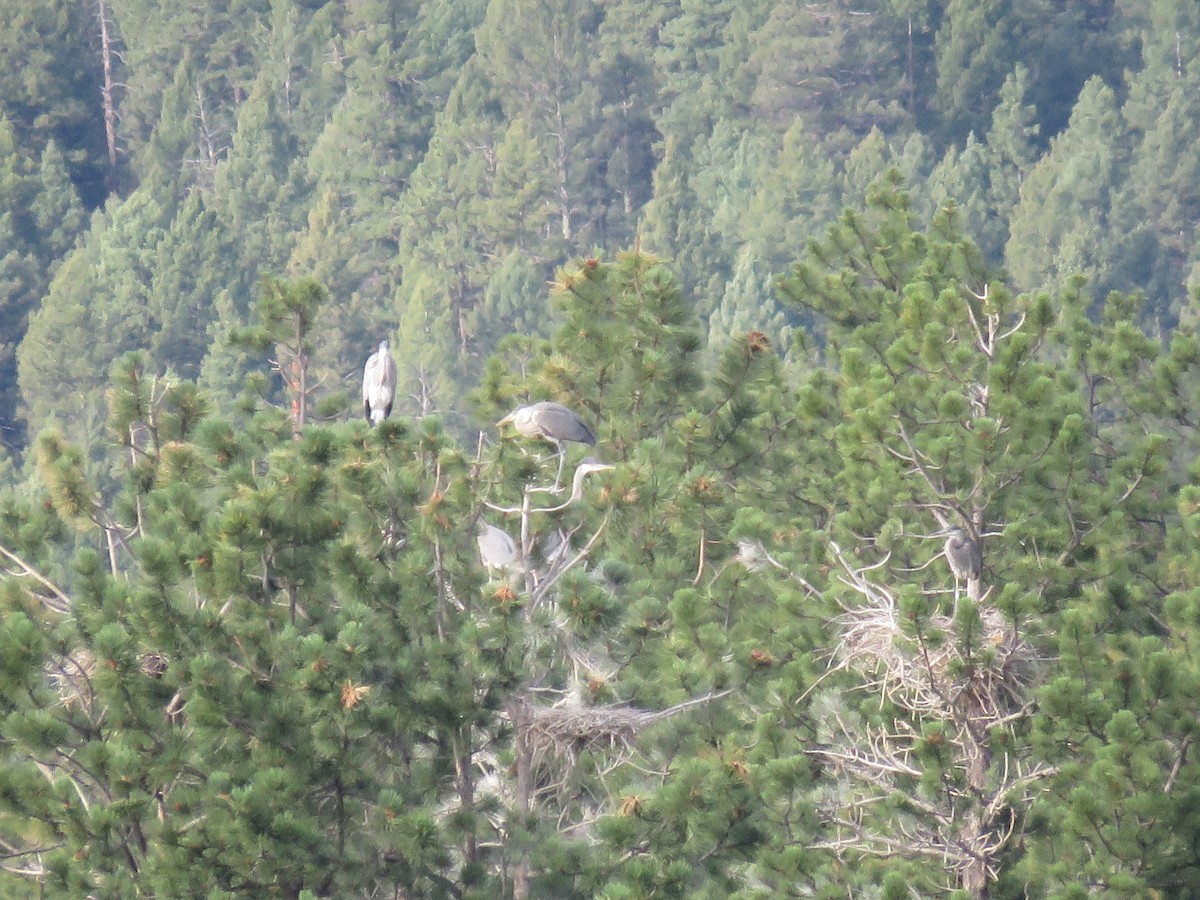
column 1067, row 199
column 51, row 97
column 275, row 679
column 390, row 147
column 827, row 282
column 275, row 660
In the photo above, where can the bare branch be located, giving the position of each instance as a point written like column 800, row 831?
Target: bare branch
column 1177, row 765
column 540, row 592
column 64, row 602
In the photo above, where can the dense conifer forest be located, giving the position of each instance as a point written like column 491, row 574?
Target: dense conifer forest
column 882, row 313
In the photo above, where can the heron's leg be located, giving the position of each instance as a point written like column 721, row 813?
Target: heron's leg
column 562, row 460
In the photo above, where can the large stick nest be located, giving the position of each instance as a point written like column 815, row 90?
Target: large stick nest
column 937, row 670
column 569, row 728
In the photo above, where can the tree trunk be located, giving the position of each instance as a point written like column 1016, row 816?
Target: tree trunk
column 299, row 382
column 464, row 782
column 106, row 91
column 524, row 799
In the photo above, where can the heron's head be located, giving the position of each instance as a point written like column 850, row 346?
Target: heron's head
column 591, row 465
column 384, row 346
column 517, row 417
column 959, row 542
column 950, row 531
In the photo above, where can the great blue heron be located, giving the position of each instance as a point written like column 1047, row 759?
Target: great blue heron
column 497, row 549
column 964, row 555
column 551, row 422
column 379, row 384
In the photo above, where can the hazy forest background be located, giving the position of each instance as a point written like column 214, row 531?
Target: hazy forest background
column 828, row 279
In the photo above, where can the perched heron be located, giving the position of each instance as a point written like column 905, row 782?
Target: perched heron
column 496, row 547
column 964, row 556
column 551, row 422
column 379, row 384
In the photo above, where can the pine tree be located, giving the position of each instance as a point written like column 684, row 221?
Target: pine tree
column 956, row 413
column 190, row 267
column 283, row 320
column 220, row 43
column 258, row 190
column 748, row 305
column 1010, row 144
column 1059, row 228
column 57, row 210
column 665, row 225
column 795, row 197
column 279, row 680
column 823, row 65
column 1154, row 208
column 973, row 47
column 52, row 96
column 19, row 283
column 535, row 53
column 651, row 629
column 625, row 140
column 98, row 307
column 1110, row 715
column 961, row 179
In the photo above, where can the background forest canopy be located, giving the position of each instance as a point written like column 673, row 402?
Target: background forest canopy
column 883, row 313
column 431, row 164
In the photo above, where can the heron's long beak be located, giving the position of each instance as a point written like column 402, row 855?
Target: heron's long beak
column 594, row 465
column 507, row 420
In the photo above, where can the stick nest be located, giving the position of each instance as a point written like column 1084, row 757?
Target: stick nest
column 71, row 676
column 938, row 670
column 569, row 728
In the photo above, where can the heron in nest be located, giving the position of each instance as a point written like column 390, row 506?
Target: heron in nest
column 964, row 556
column 497, row 549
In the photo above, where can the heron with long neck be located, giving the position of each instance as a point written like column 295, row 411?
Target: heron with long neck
column 588, row 466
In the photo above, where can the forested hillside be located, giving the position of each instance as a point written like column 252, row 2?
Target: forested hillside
column 882, row 313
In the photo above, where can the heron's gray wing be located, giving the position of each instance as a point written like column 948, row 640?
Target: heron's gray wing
column 388, row 381
column 368, row 369
column 563, row 424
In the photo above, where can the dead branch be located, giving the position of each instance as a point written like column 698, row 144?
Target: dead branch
column 753, row 555
column 61, row 602
column 539, row 593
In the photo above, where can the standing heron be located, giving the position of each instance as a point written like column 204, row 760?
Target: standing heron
column 965, row 557
column 551, row 422
column 497, row 549
column 379, row 384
